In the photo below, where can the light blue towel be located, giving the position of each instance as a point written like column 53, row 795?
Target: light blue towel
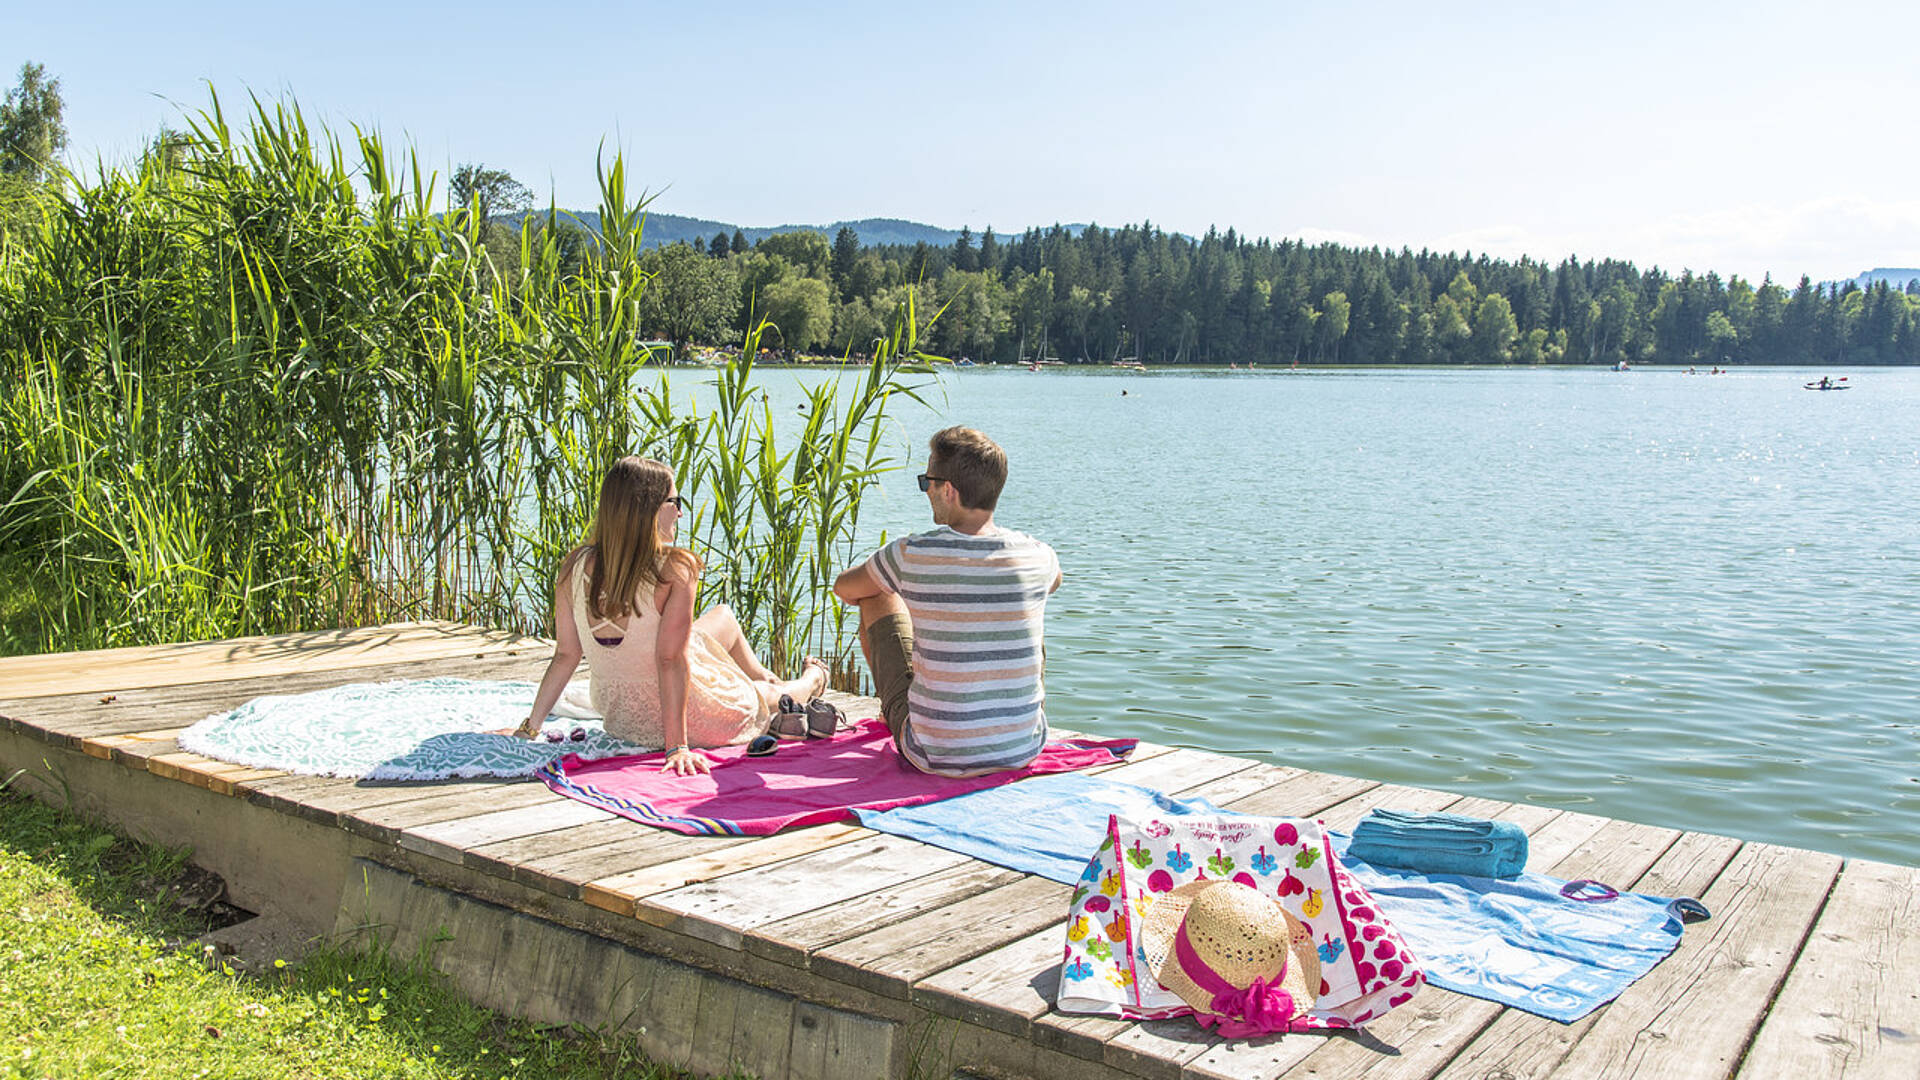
column 1516, row 941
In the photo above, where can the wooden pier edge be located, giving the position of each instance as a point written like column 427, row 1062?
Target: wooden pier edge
column 836, row 951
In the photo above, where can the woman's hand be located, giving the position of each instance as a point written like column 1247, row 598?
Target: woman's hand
column 683, row 761
column 527, row 730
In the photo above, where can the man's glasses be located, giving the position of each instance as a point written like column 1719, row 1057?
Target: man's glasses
column 927, row 481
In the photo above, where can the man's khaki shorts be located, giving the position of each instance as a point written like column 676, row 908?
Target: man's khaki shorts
column 890, row 654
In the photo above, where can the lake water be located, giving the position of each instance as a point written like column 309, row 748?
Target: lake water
column 1692, row 601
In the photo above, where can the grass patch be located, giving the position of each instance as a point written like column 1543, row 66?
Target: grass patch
column 100, row 977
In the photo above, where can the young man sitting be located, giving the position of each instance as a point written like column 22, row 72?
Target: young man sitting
column 952, row 621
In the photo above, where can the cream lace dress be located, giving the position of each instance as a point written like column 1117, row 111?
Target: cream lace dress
column 724, row 706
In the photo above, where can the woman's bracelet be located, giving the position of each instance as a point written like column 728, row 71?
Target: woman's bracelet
column 677, row 749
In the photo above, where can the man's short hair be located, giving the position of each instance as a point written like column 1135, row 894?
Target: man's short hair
column 974, row 464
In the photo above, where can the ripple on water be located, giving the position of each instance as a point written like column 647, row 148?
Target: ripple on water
column 1528, row 585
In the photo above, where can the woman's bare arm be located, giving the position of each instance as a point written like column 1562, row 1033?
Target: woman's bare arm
column 566, row 660
column 670, row 653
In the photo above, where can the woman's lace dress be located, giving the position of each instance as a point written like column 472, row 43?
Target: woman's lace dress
column 724, row 706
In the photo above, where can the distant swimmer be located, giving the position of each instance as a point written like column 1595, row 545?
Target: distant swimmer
column 1123, row 393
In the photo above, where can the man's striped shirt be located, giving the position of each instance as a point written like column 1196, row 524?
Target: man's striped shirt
column 978, row 605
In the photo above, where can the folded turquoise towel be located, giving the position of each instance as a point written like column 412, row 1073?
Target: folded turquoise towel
column 1440, row 843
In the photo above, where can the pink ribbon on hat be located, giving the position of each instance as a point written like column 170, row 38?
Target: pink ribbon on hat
column 1263, row 1008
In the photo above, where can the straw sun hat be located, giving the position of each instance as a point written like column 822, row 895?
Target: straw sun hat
column 1231, row 952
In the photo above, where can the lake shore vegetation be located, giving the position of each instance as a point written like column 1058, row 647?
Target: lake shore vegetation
column 260, row 381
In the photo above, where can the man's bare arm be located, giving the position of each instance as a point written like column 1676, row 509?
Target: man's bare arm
column 857, row 583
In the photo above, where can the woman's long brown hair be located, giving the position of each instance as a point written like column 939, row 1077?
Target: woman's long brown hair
column 624, row 553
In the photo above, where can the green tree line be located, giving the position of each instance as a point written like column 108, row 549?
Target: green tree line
column 1098, row 295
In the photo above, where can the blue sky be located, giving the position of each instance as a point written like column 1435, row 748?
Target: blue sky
column 1739, row 137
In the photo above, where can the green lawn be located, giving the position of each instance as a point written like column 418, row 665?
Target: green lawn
column 99, row 978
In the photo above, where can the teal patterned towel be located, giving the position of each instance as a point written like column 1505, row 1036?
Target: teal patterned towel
column 421, row 729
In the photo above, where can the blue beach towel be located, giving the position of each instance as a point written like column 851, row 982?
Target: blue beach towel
column 1438, row 843
column 1517, row 942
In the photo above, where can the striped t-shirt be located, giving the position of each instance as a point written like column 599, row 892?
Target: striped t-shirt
column 978, row 605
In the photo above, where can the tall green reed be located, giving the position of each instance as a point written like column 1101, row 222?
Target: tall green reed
column 261, row 385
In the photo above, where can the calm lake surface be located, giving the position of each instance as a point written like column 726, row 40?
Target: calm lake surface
column 1692, row 601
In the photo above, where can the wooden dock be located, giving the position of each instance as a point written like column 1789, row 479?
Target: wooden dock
column 835, row 951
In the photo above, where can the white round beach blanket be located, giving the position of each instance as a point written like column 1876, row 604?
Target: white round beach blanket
column 420, row 729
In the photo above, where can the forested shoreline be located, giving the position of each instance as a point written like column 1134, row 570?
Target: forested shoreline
column 1139, row 292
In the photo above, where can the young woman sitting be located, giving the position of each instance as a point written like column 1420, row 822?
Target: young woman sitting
column 660, row 675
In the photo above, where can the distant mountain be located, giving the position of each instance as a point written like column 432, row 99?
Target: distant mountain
column 1895, row 278
column 673, row 229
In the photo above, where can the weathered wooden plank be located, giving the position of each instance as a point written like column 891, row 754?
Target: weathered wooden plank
column 1177, row 769
column 178, row 765
column 890, row 960
column 1005, row 989
column 502, row 856
column 450, row 840
column 104, row 746
column 1693, row 1015
column 1144, row 751
column 1851, row 1005
column 84, row 715
column 1158, row 1049
column 105, row 670
column 566, row 873
column 1566, row 833
column 1691, row 866
column 1344, row 815
column 322, row 799
column 203, row 772
column 1530, row 817
column 138, row 756
column 383, row 823
column 723, row 909
column 1079, row 1036
column 1241, row 784
column 1305, row 796
column 1524, row 1046
column 791, row 940
column 235, row 783
column 620, row 892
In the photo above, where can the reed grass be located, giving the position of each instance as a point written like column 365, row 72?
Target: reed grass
column 259, row 384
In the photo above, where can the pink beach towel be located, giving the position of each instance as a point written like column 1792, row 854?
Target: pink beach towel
column 805, row 783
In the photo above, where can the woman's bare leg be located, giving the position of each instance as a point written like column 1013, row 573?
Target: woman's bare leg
column 811, row 683
column 721, row 625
